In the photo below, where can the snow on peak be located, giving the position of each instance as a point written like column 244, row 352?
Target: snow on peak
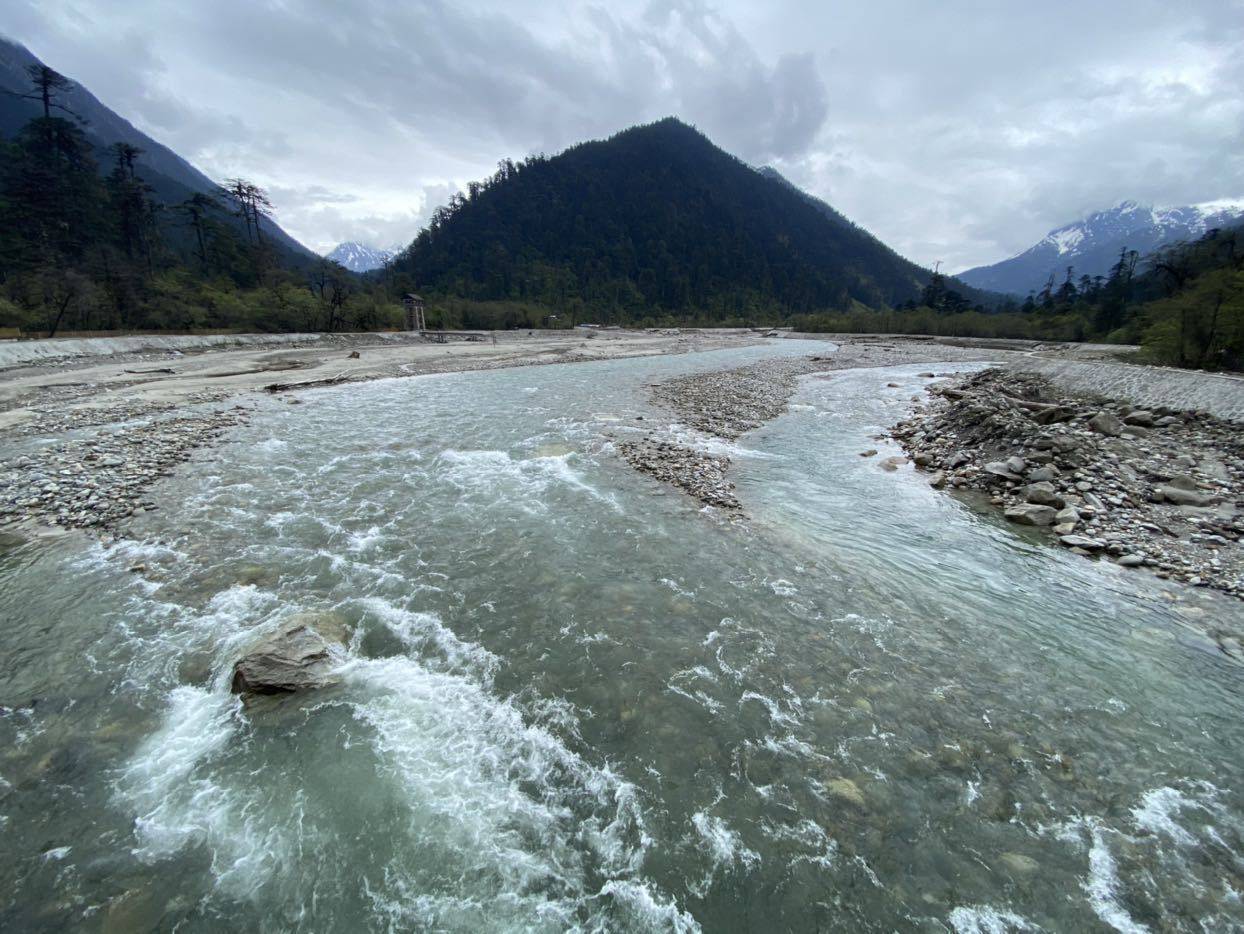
column 1233, row 207
column 359, row 257
column 1067, row 239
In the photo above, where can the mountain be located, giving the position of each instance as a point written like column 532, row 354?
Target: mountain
column 1092, row 245
column 849, row 227
column 654, row 221
column 358, row 257
column 172, row 177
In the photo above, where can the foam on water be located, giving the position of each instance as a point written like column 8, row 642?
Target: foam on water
column 984, row 919
column 1102, row 885
column 178, row 801
column 495, row 800
column 521, row 482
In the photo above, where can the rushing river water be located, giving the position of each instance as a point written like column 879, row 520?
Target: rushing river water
column 572, row 699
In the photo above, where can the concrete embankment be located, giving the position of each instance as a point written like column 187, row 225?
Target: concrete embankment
column 1221, row 395
column 24, row 353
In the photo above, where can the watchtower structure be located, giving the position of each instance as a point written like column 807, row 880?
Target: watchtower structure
column 414, row 312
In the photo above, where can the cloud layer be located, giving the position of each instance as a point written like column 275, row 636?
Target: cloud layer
column 959, row 132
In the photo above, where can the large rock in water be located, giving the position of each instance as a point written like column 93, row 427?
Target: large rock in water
column 294, row 658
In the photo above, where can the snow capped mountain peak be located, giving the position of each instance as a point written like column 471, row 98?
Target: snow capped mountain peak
column 359, row 257
column 1090, row 246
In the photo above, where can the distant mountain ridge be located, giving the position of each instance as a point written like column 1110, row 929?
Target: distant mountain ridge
column 359, row 257
column 173, row 178
column 1091, row 246
column 654, row 221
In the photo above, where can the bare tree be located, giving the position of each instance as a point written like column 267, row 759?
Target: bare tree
column 48, row 85
column 252, row 204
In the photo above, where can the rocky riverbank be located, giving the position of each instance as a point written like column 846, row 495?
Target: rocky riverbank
column 1157, row 489
column 95, row 481
column 728, row 403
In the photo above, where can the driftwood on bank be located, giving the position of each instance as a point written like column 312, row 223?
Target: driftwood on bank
column 343, row 377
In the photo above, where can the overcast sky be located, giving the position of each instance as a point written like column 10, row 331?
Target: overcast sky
column 955, row 131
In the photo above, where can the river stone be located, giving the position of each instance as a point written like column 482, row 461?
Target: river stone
column 1139, row 418
column 1106, row 423
column 1042, row 474
column 1018, row 863
column 1000, row 469
column 1131, row 561
column 847, row 790
column 1182, row 497
column 1043, row 494
column 294, row 658
column 892, row 463
column 1015, row 465
column 1031, row 514
column 1081, row 541
column 1067, row 514
column 1182, row 481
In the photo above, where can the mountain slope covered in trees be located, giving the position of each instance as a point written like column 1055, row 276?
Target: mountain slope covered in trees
column 655, row 223
column 170, row 178
column 94, row 237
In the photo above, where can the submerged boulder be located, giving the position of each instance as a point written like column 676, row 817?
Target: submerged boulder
column 294, row 658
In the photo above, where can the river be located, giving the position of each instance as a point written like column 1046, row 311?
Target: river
column 573, row 699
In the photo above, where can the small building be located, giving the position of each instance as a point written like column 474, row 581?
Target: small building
column 414, row 312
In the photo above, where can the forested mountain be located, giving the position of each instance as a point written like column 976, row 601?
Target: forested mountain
column 654, row 223
column 1091, row 246
column 896, row 262
column 95, row 236
column 171, row 178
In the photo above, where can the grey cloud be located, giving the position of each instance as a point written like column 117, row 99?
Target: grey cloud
column 955, row 131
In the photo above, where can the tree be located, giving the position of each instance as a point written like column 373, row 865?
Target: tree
column 252, row 203
column 51, row 192
column 196, row 210
column 1067, row 291
column 48, row 84
column 1202, row 326
column 133, row 209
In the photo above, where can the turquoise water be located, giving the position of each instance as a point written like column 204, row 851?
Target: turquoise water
column 574, row 699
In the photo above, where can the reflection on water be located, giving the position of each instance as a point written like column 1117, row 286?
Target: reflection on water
column 572, row 698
